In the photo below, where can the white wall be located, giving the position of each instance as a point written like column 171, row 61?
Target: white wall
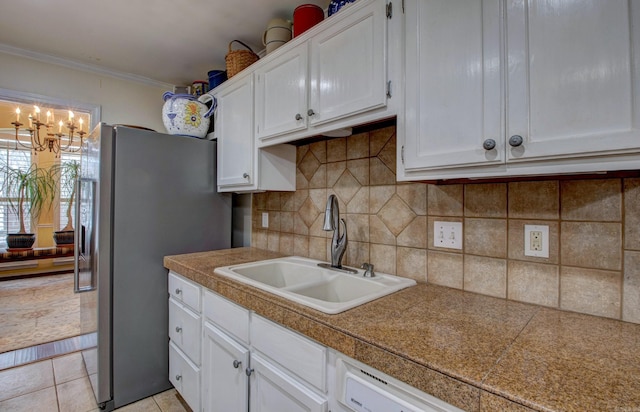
column 122, row 101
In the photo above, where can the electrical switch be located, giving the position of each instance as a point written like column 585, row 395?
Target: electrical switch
column 447, row 234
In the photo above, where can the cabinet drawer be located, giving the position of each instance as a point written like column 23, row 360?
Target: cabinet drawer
column 184, row 330
column 184, row 291
column 185, row 376
column 227, row 315
column 294, row 352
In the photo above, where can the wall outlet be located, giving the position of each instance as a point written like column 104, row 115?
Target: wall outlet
column 265, row 219
column 536, row 240
column 447, row 234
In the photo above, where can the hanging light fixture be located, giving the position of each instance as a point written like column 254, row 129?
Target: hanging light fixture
column 42, row 136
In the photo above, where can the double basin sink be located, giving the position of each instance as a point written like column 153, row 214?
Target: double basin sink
column 301, row 280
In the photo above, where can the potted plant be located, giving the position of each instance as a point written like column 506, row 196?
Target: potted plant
column 66, row 173
column 29, row 191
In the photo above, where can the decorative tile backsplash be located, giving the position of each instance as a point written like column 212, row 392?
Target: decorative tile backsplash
column 594, row 228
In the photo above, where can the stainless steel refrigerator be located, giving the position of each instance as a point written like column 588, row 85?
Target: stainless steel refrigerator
column 142, row 195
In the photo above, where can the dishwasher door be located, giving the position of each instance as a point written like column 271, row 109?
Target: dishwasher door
column 364, row 389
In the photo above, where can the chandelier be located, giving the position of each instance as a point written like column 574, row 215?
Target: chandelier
column 44, row 139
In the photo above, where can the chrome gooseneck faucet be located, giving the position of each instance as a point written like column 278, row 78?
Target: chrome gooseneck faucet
column 332, row 221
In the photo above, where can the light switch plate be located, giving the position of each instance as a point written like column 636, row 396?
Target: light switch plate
column 536, row 240
column 447, row 234
column 265, row 219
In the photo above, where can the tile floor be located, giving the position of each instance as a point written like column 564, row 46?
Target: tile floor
column 61, row 384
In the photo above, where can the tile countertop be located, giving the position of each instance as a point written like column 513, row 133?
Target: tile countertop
column 476, row 352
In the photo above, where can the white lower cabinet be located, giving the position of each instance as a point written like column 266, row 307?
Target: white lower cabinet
column 225, row 385
column 250, row 363
column 184, row 375
column 185, row 323
column 273, row 390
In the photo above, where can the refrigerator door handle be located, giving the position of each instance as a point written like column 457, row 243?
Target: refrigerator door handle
column 82, row 251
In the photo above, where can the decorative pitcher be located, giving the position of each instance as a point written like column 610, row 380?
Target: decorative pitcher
column 187, row 115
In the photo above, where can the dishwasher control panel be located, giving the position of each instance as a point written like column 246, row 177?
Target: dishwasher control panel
column 362, row 397
column 364, row 389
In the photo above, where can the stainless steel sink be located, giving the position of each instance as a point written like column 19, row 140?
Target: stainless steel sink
column 302, row 281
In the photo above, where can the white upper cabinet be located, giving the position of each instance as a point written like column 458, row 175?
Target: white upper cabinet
column 281, row 94
column 334, row 76
column 453, row 77
column 347, row 66
column 572, row 93
column 506, row 88
column 242, row 167
column 234, row 130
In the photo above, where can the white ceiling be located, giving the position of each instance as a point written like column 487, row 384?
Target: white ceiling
column 169, row 41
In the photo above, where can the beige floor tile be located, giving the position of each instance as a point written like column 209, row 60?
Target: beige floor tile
column 25, row 379
column 144, row 405
column 169, row 401
column 42, row 400
column 90, row 357
column 76, row 396
column 68, row 368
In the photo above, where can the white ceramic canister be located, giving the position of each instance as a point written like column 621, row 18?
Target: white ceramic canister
column 187, row 115
column 278, row 33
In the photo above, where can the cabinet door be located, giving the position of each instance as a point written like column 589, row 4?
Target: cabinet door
column 453, row 84
column 224, row 382
column 274, row 391
column 234, row 131
column 348, row 65
column 281, row 94
column 573, row 78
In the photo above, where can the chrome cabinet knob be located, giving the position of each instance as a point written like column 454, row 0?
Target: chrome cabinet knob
column 489, row 144
column 310, row 112
column 236, row 364
column 515, row 140
column 298, row 116
column 178, row 329
column 248, row 371
column 178, row 291
column 245, row 175
column 178, row 377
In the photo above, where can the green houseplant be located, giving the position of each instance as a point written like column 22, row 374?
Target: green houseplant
column 66, row 174
column 27, row 191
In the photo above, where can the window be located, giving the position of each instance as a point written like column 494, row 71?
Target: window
column 66, row 187
column 20, row 159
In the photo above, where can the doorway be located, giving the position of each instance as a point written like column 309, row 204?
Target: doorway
column 39, row 311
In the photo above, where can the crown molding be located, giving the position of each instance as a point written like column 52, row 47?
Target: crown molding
column 72, row 64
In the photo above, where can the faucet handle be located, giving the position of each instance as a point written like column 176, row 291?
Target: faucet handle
column 368, row 270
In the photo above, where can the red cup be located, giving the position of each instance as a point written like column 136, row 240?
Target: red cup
column 305, row 17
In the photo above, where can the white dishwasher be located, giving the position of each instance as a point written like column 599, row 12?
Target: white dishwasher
column 361, row 388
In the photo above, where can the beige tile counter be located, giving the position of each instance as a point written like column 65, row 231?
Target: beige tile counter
column 476, row 352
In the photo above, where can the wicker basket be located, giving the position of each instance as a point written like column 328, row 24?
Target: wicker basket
column 237, row 60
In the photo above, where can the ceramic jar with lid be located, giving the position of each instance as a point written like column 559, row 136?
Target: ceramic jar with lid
column 187, row 115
